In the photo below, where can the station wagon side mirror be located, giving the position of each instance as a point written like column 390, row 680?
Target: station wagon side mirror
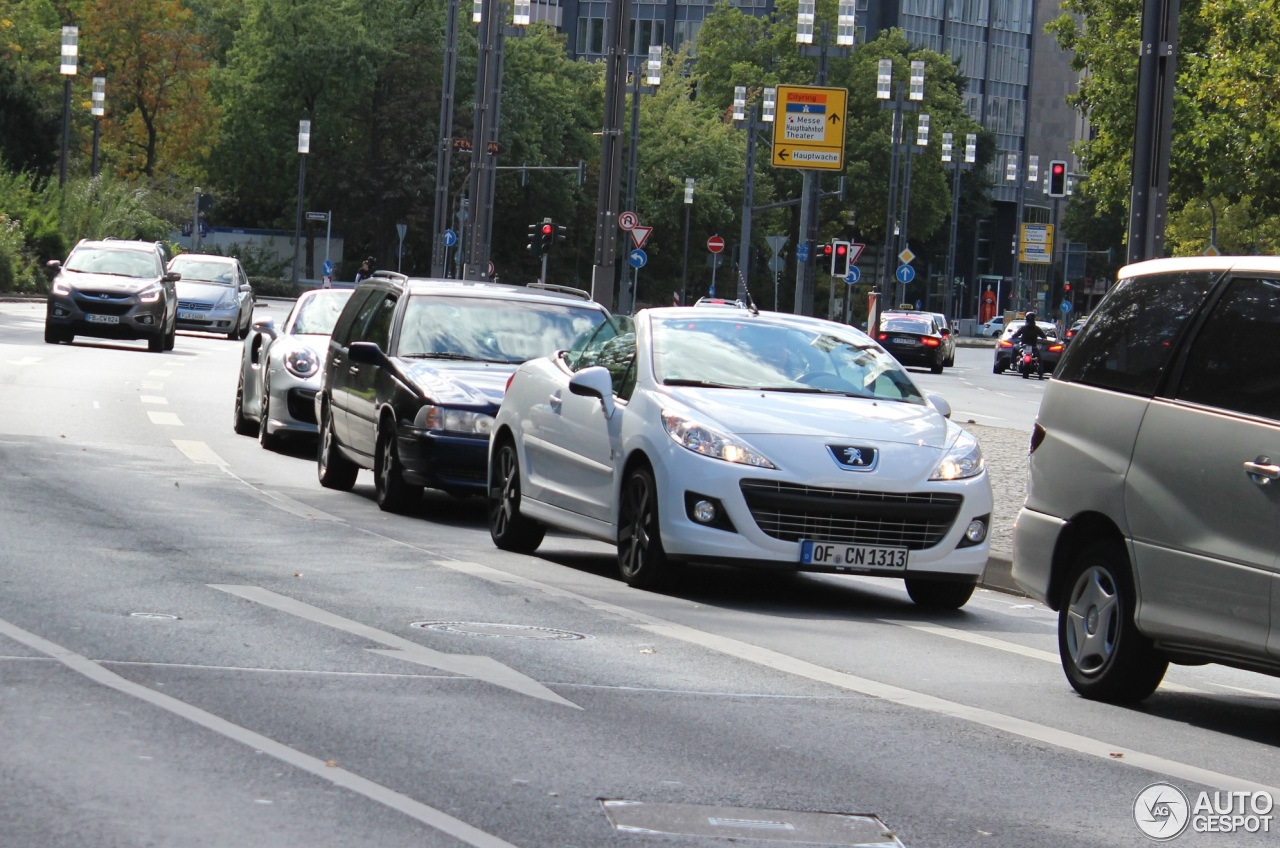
column 597, row 383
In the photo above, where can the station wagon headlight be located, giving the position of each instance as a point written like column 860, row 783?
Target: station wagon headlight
column 708, row 441
column 230, row 300
column 432, row 417
column 963, row 460
column 301, row 363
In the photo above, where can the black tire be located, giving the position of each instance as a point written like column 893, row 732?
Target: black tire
column 171, row 337
column 334, row 470
column 248, row 325
column 155, row 343
column 269, row 441
column 55, row 335
column 936, row 368
column 996, row 369
column 510, row 530
column 235, row 329
column 1103, row 654
column 394, row 494
column 243, row 425
column 641, row 559
column 939, row 594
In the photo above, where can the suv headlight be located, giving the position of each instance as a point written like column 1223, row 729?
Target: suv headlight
column 708, row 441
column 150, row 295
column 61, row 288
column 962, row 460
column 301, row 363
column 432, row 417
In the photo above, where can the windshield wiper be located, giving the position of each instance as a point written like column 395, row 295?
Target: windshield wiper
column 460, row 356
column 811, row 390
column 701, row 384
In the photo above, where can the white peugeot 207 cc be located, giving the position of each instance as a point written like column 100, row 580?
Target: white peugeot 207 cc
column 740, row 437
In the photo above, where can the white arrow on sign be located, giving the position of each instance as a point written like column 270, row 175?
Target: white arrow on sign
column 640, row 234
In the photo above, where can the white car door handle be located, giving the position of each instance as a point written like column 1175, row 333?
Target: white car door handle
column 555, row 402
column 1262, row 471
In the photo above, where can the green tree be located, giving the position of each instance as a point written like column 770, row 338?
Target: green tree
column 30, row 86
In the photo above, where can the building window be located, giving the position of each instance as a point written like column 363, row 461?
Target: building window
column 686, row 31
column 644, row 34
column 590, row 36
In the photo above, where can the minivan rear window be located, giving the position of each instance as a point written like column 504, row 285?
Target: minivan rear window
column 1132, row 335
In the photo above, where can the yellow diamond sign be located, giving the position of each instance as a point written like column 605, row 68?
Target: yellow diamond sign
column 906, row 256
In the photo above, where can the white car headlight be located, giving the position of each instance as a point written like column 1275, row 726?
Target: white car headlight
column 301, row 362
column 962, row 460
column 431, row 417
column 708, row 441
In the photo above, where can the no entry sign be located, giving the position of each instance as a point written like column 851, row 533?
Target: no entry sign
column 715, row 244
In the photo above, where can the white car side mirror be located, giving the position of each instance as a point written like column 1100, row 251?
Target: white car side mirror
column 939, row 403
column 594, row 382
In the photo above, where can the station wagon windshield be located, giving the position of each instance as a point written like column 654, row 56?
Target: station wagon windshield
column 741, row 352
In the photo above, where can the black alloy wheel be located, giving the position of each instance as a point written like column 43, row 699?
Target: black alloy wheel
column 510, row 530
column 641, row 558
column 394, row 494
column 334, row 470
column 243, row 425
column 270, row 441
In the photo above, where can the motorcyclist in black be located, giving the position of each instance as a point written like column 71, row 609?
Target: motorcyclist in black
column 1030, row 334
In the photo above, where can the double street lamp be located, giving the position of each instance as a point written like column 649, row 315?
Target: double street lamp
column 684, row 265
column 957, row 167
column 304, row 147
column 70, row 61
column 891, row 97
column 653, row 78
column 98, row 109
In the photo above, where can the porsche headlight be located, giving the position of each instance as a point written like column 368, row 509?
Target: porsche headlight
column 708, row 441
column 962, row 460
column 432, row 417
column 301, row 362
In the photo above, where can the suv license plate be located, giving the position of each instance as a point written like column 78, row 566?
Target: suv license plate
column 102, row 319
column 852, row 556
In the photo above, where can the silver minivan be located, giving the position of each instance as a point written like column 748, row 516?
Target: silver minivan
column 1152, row 519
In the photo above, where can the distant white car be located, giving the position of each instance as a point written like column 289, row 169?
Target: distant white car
column 993, row 328
column 745, row 438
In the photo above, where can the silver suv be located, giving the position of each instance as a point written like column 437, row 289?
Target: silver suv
column 1152, row 519
column 113, row 289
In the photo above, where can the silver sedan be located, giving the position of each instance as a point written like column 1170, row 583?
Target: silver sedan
column 214, row 295
column 280, row 368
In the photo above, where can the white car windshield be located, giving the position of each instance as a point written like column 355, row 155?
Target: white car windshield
column 491, row 330
column 204, row 271
column 752, row 352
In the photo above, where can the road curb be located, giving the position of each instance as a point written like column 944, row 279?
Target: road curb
column 998, row 576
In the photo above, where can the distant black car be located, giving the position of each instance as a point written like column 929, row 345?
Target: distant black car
column 1073, row 330
column 914, row 338
column 416, row 369
column 113, row 289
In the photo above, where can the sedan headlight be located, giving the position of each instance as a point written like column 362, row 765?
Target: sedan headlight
column 301, row 363
column 150, row 295
column 963, row 460
column 432, row 417
column 708, row 441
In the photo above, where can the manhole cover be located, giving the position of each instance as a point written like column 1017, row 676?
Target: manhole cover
column 510, row 631
column 865, row 831
column 160, row 615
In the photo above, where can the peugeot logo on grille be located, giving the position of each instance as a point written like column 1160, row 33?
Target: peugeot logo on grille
column 854, row 457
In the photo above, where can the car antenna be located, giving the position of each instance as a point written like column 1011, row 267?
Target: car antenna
column 751, row 304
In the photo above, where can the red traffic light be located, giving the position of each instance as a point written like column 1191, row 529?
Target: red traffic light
column 842, row 249
column 1066, row 287
column 546, row 229
column 1059, row 168
column 826, row 250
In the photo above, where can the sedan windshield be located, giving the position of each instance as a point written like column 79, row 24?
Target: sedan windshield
column 120, row 263
column 489, row 329
column 204, row 271
column 742, row 352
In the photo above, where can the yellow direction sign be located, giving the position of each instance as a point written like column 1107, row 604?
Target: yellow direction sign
column 809, row 130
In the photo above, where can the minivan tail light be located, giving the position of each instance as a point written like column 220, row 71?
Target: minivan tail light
column 1037, row 436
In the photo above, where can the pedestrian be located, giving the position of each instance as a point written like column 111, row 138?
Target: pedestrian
column 366, row 270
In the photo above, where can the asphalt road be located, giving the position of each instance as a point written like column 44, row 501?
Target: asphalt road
column 201, row 646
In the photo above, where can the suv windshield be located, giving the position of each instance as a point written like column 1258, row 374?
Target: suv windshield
column 492, row 330
column 114, row 261
column 736, row 352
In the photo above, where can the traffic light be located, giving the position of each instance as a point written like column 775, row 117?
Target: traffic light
column 535, row 242
column 1066, row 287
column 826, row 254
column 1057, row 178
column 839, row 259
column 546, row 235
column 562, row 233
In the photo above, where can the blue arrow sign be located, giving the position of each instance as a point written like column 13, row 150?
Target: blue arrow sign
column 327, row 268
column 853, row 276
column 905, row 273
column 638, row 258
column 450, row 238
column 1066, row 306
column 802, row 252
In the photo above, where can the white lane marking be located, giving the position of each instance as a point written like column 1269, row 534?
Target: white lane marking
column 159, row 401
column 283, row 503
column 1010, row 647
column 159, row 372
column 478, row 667
column 152, row 385
column 96, row 405
column 26, row 360
column 198, row 452
column 1258, row 692
column 166, row 419
column 336, row 775
column 801, row 668
column 960, row 413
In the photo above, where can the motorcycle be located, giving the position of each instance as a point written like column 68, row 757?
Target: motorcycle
column 1028, row 359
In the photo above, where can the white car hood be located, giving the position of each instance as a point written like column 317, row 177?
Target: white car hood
column 757, row 413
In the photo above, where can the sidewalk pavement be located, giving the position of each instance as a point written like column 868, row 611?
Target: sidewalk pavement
column 1005, row 451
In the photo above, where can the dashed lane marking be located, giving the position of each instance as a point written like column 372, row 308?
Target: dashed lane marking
column 153, row 399
column 198, row 452
column 165, row 419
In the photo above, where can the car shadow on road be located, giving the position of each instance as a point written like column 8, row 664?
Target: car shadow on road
column 1240, row 715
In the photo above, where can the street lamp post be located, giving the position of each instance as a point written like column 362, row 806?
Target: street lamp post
column 922, row 140
column 70, row 60
column 769, row 111
column 304, row 147
column 1011, row 175
column 684, row 266
column 99, row 108
column 653, row 78
column 891, row 97
column 957, row 167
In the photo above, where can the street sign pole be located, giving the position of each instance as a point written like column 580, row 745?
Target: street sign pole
column 328, row 230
